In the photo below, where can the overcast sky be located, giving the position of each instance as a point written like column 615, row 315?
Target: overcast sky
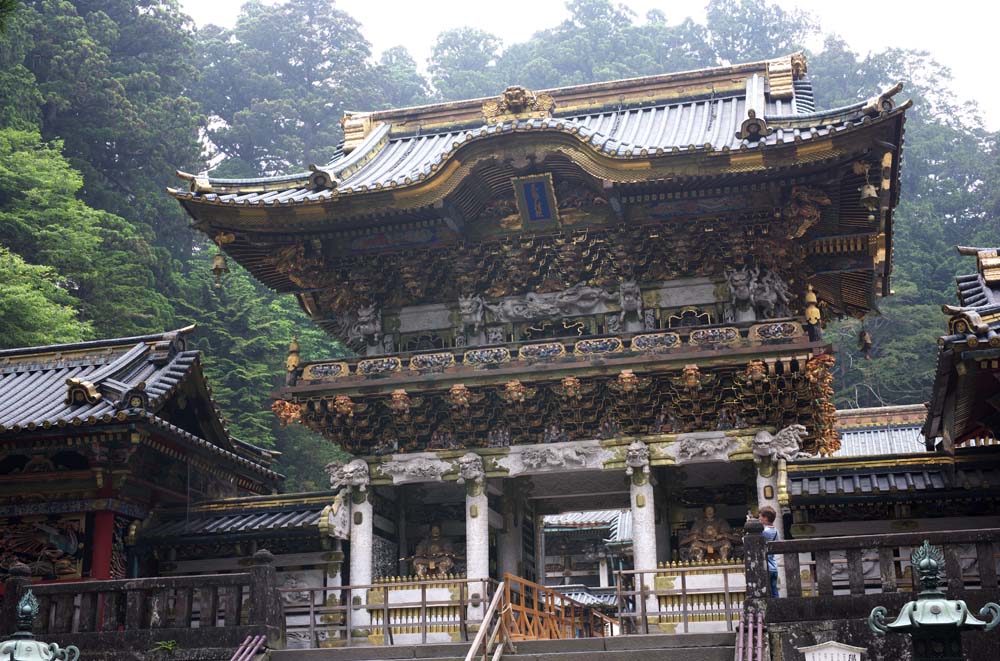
column 960, row 34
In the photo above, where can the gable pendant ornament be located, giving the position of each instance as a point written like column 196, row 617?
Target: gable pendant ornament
column 517, row 102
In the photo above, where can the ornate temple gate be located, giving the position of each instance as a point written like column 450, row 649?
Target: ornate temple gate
column 591, row 297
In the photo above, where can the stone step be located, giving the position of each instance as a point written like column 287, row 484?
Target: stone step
column 653, row 647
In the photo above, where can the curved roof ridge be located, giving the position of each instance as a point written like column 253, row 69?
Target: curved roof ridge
column 97, row 344
column 608, row 85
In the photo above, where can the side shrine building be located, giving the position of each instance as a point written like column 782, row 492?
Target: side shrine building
column 608, row 296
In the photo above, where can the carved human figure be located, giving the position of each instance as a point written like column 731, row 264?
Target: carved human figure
column 709, row 538
column 435, row 555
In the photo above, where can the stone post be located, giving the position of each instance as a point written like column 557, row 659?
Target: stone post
column 265, row 607
column 18, row 577
column 643, row 518
column 755, row 560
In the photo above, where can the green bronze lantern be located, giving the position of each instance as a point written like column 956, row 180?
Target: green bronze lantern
column 935, row 623
column 22, row 645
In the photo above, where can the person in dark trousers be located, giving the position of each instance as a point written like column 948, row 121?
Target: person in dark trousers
column 767, row 515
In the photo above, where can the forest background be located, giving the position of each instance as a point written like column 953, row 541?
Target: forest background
column 101, row 100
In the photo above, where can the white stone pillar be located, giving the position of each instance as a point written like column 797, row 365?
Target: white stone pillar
column 352, row 479
column 362, row 547
column 477, row 532
column 477, row 547
column 602, row 568
column 767, row 494
column 643, row 517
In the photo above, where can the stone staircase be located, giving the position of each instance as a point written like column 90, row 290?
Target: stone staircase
column 653, row 647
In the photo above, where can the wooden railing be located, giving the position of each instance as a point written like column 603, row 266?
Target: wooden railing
column 493, row 638
column 880, row 564
column 672, row 598
column 535, row 612
column 193, row 611
column 399, row 612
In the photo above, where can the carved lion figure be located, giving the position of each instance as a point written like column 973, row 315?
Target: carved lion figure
column 786, row 444
column 470, row 468
column 630, row 299
column 352, row 474
column 472, row 311
column 637, row 458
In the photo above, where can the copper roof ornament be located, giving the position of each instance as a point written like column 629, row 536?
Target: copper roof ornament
column 22, row 645
column 935, row 623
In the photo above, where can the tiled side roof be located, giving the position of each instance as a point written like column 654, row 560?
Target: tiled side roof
column 87, row 384
column 881, row 483
column 584, row 595
column 616, row 523
column 298, row 514
column 247, row 522
column 108, row 381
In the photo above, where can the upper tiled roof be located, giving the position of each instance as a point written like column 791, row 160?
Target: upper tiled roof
column 400, row 150
column 112, row 381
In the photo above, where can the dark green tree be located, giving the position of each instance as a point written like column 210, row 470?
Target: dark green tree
column 463, row 64
column 748, row 30
column 114, row 77
column 280, row 81
column 35, row 309
column 101, row 258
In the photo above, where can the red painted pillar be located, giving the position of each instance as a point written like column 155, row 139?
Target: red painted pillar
column 102, row 545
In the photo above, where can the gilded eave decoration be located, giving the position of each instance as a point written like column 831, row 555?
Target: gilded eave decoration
column 500, row 413
column 517, row 102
